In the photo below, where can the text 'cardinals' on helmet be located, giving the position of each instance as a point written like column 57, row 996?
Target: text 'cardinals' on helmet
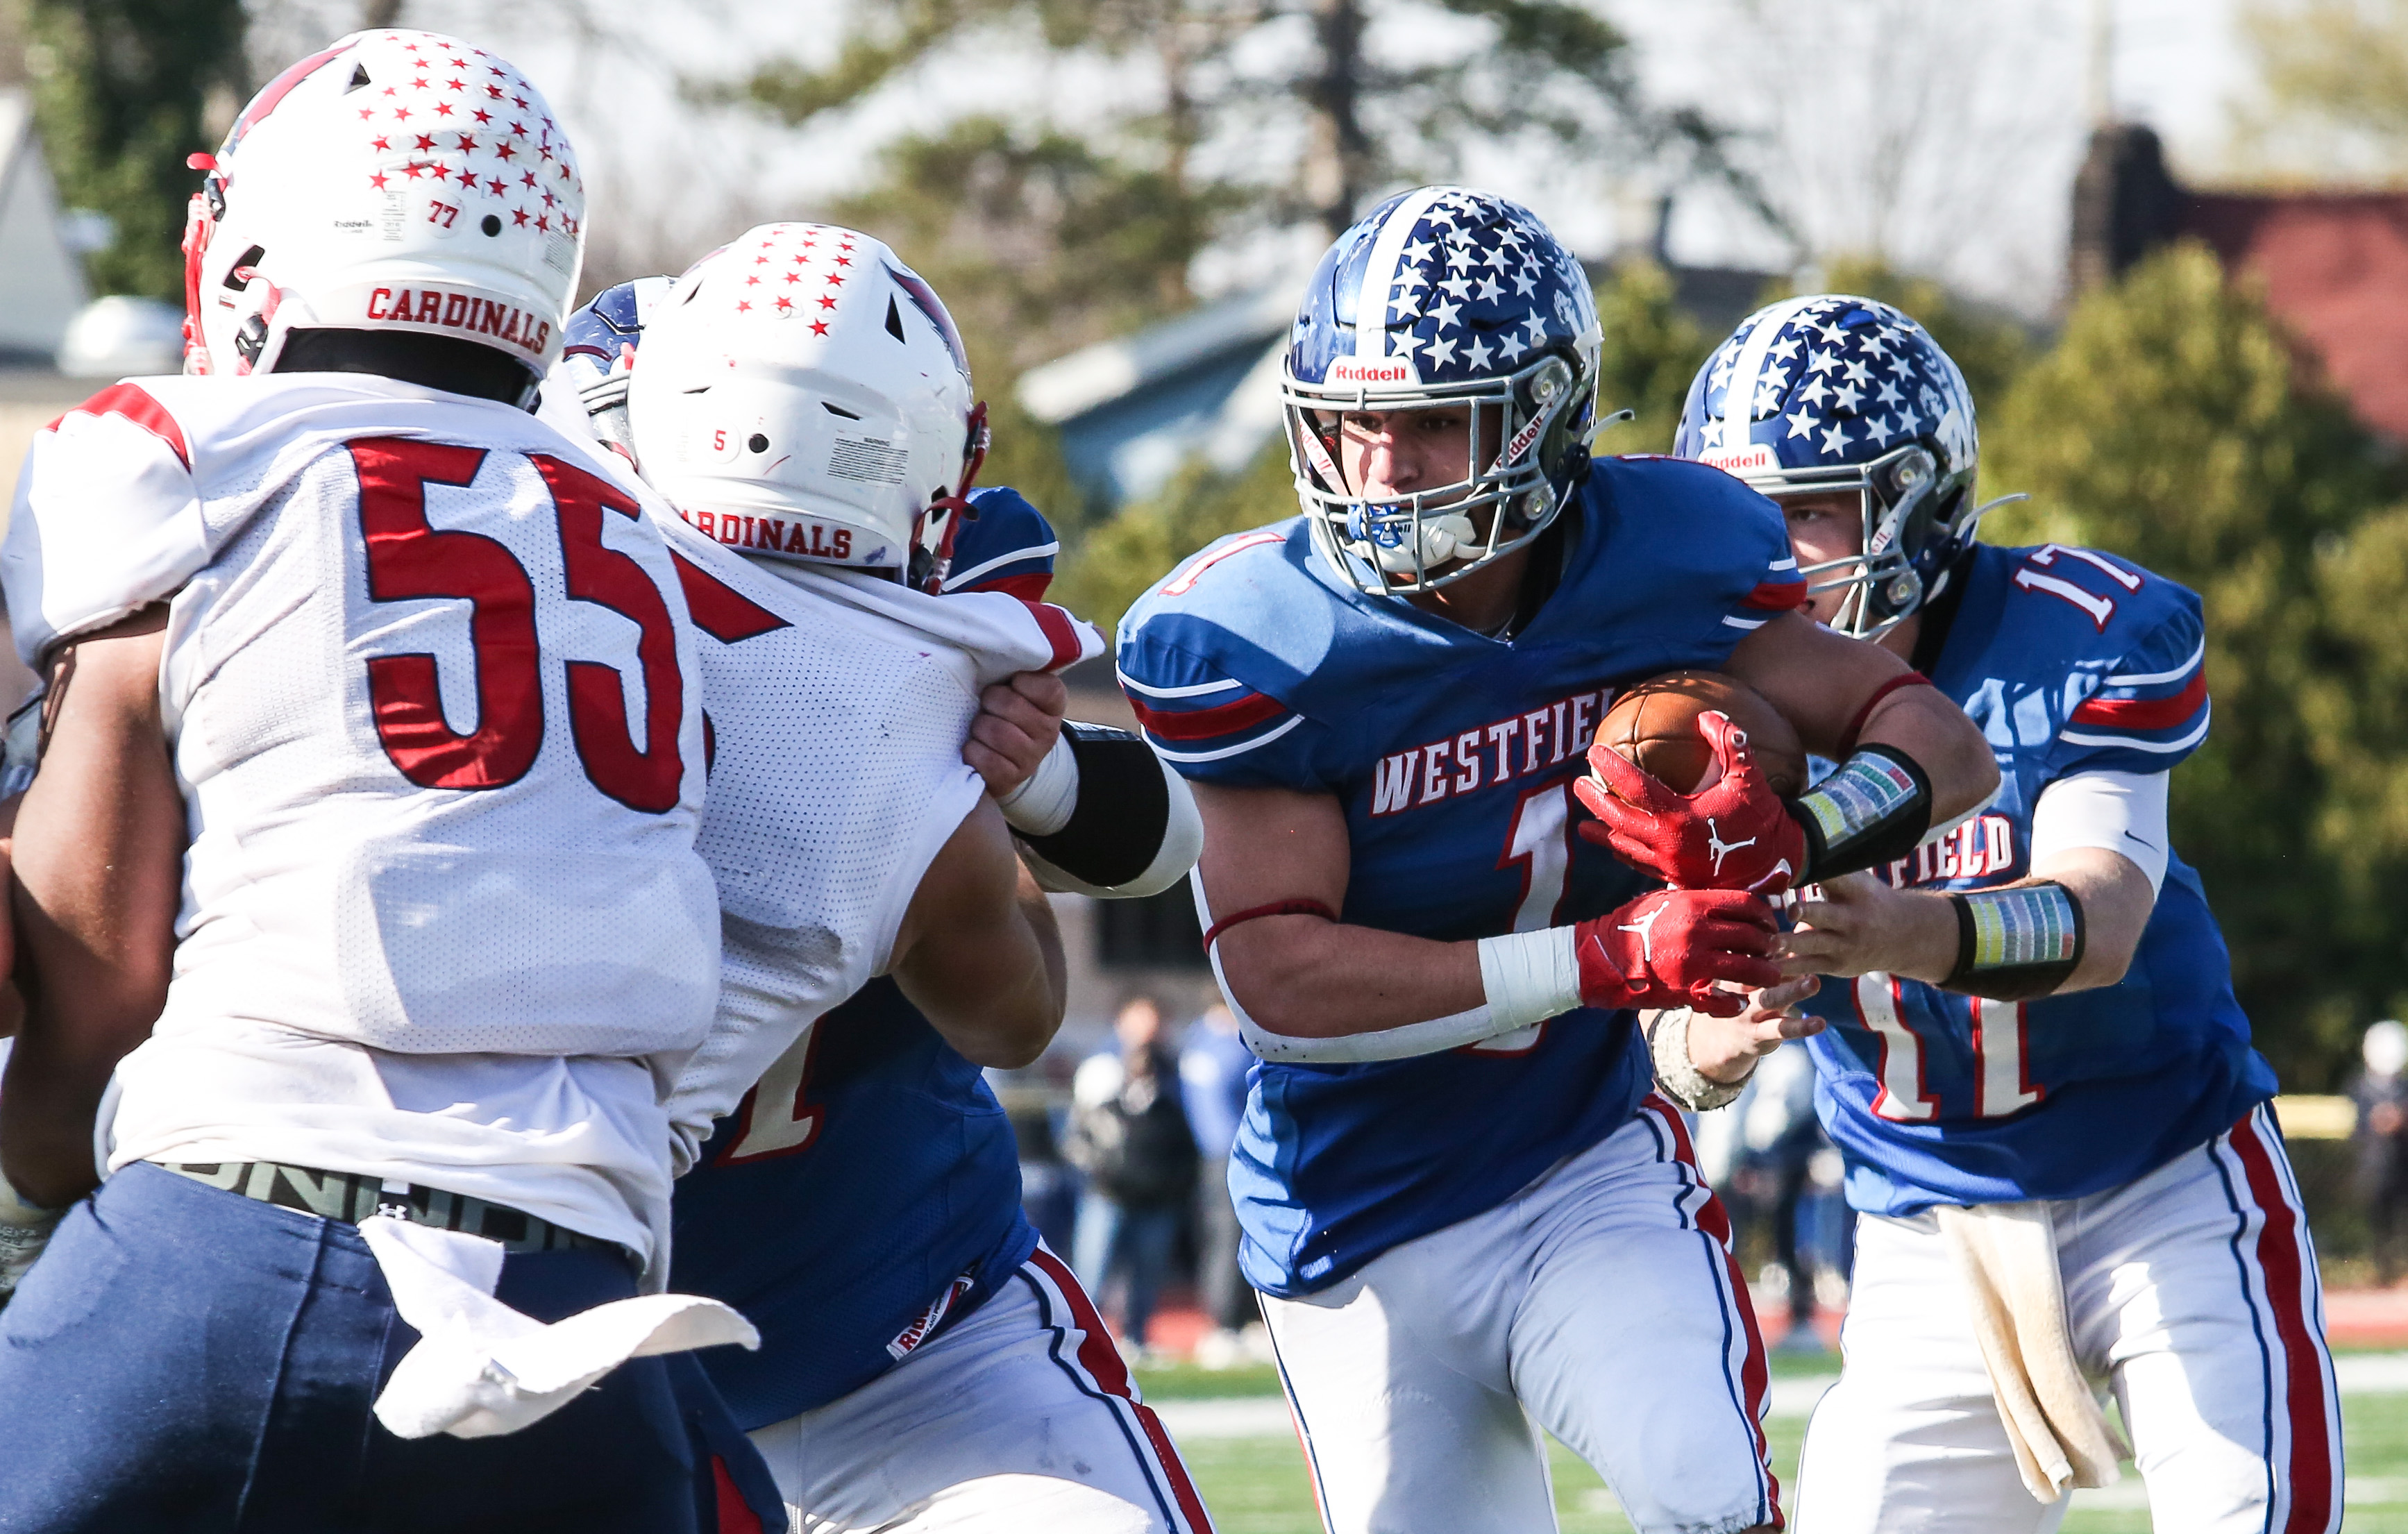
column 395, row 181
column 1834, row 393
column 1443, row 298
column 801, row 394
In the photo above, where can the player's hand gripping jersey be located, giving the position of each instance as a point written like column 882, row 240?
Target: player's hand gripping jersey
column 1454, row 755
column 422, row 661
column 2071, row 661
column 868, row 1189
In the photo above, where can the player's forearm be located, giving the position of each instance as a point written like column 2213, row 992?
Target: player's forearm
column 2116, row 901
column 1310, row 978
column 998, row 996
column 98, row 862
column 1949, row 747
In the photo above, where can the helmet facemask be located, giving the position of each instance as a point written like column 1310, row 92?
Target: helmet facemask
column 1526, row 440
column 1906, row 511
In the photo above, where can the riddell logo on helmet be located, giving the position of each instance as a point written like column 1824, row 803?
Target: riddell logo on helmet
column 463, row 312
column 1749, row 459
column 1373, row 370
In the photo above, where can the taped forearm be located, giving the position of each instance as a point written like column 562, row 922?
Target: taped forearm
column 1872, row 810
column 1104, row 816
column 1525, row 977
column 2016, row 943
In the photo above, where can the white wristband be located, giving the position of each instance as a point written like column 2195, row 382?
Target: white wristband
column 1529, row 976
column 1042, row 805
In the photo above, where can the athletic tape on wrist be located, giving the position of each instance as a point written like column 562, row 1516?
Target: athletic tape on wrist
column 1873, row 808
column 1668, row 1044
column 1044, row 801
column 2016, row 943
column 1529, row 977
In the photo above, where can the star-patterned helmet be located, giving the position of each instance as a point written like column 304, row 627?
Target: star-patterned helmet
column 1836, row 393
column 801, row 394
column 1443, row 298
column 396, row 180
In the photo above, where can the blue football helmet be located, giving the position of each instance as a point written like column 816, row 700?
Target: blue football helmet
column 597, row 352
column 1443, row 298
column 1835, row 393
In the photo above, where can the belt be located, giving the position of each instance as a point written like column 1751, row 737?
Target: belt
column 352, row 1196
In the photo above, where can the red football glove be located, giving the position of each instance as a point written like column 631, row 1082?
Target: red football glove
column 1735, row 835
column 1666, row 949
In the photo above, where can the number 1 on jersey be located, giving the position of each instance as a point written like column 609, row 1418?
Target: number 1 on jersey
column 2001, row 1078
column 1539, row 841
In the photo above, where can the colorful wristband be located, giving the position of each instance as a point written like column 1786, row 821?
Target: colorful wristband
column 2016, row 943
column 1871, row 810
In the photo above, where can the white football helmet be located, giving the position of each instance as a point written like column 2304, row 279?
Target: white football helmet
column 397, row 180
column 801, row 393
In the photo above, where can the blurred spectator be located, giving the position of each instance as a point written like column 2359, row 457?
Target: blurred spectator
column 2382, row 1137
column 1213, row 1062
column 1129, row 1135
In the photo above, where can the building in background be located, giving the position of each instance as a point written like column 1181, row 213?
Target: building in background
column 46, row 285
column 2334, row 263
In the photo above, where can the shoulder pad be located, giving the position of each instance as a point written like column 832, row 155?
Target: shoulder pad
column 1008, row 547
column 106, row 518
column 2138, row 645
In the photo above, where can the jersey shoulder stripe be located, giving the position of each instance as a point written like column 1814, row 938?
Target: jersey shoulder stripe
column 1008, row 547
column 720, row 609
column 1782, row 590
column 133, row 402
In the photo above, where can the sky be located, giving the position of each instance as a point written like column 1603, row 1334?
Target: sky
column 1946, row 131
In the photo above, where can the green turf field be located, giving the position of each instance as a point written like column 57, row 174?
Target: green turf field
column 1257, row 1486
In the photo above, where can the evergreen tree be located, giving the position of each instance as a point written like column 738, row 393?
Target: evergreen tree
column 121, row 91
column 1653, row 349
column 2174, row 423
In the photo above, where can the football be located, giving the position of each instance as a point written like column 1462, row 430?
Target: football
column 1653, row 725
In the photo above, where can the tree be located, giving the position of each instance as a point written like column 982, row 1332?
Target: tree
column 1514, row 68
column 2175, row 423
column 1653, row 349
column 122, row 89
column 1039, row 243
column 2334, row 75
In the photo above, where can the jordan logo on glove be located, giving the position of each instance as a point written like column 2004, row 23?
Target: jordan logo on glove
column 1678, row 838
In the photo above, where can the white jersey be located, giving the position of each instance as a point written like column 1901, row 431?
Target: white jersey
column 839, row 704
column 431, row 692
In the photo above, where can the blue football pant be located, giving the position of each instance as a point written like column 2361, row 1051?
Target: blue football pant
column 185, row 1360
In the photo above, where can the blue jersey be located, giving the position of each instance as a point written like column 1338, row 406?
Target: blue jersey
column 900, row 1212
column 1454, row 755
column 2070, row 660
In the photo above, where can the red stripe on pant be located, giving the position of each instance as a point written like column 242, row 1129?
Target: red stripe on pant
column 2311, row 1470
column 735, row 1516
column 1755, row 1374
column 1102, row 1362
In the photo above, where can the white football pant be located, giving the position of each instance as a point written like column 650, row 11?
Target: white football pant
column 1601, row 1303
column 1021, row 1416
column 2193, row 1290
